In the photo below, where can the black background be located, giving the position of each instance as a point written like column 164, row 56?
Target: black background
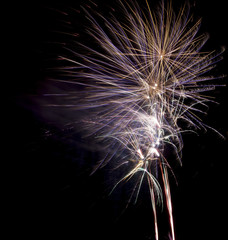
column 51, row 192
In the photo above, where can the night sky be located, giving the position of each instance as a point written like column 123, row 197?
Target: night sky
column 51, row 191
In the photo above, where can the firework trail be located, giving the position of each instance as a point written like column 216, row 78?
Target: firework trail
column 142, row 87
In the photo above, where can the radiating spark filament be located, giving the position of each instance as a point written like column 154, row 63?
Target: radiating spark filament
column 140, row 154
column 154, row 151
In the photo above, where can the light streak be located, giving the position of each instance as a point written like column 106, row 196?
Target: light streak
column 144, row 79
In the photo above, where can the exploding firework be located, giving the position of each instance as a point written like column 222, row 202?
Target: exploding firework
column 142, row 87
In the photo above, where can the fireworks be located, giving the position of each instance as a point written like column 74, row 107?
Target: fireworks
column 142, row 87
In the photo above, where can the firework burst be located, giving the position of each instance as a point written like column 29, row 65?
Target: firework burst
column 142, row 87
